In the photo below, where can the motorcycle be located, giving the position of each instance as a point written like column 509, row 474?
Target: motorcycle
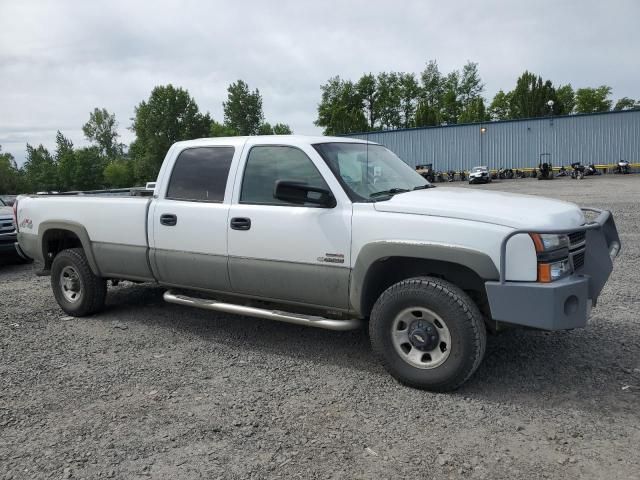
column 591, row 170
column 439, row 177
column 463, row 176
column 451, row 175
column 563, row 172
column 546, row 171
column 520, row 174
column 623, row 167
column 578, row 171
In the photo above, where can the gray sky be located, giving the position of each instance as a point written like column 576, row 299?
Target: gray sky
column 60, row 59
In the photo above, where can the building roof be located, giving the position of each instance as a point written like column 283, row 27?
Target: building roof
column 495, row 122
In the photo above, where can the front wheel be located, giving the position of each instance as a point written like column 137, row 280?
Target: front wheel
column 428, row 333
column 77, row 289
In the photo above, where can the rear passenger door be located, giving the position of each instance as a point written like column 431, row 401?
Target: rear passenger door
column 189, row 220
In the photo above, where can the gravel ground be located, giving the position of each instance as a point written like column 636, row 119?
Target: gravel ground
column 157, row 390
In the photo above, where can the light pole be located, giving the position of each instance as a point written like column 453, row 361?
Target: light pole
column 483, row 130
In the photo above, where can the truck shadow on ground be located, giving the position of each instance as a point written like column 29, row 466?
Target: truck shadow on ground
column 585, row 369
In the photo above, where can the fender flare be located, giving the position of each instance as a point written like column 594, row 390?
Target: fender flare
column 475, row 260
column 74, row 228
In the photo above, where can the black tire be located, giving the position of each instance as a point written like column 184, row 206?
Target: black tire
column 93, row 289
column 465, row 324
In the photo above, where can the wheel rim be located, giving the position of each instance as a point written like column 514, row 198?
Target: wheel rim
column 421, row 337
column 70, row 284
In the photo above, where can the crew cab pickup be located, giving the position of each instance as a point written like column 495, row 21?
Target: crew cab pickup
column 332, row 233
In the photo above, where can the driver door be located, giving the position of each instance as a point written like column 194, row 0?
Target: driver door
column 282, row 251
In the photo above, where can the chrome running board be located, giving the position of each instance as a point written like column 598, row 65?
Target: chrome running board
column 280, row 316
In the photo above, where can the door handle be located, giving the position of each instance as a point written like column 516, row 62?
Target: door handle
column 168, row 219
column 240, row 223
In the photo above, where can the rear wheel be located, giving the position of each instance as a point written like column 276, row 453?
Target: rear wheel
column 77, row 289
column 428, row 333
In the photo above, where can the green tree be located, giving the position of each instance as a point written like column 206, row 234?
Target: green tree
column 470, row 87
column 408, row 93
column 102, row 130
column 475, row 111
column 500, row 108
column 367, row 91
column 426, row 115
column 243, row 109
column 389, row 100
column 11, row 181
column 567, row 98
column 40, row 169
column 88, row 169
column 433, row 85
column 168, row 116
column 530, row 97
column 341, row 108
column 626, row 103
column 118, row 173
column 282, row 129
column 450, row 105
column 591, row 100
column 265, row 129
column 221, row 130
column 66, row 162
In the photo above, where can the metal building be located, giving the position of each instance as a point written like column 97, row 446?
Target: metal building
column 599, row 138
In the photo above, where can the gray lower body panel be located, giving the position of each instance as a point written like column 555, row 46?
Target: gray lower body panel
column 304, row 283
column 122, row 261
column 561, row 305
column 29, row 245
column 189, row 269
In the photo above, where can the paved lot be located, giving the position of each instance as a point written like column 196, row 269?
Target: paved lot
column 157, row 390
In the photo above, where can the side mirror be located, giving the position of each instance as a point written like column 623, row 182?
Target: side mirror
column 301, row 193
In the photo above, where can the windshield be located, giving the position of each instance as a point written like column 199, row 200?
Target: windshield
column 369, row 172
column 477, row 169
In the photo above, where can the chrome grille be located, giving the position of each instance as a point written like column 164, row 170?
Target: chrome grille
column 577, row 238
column 6, row 225
column 578, row 260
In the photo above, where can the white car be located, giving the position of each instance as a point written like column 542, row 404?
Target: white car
column 479, row 175
column 331, row 233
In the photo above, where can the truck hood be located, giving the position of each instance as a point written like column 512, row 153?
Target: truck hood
column 501, row 208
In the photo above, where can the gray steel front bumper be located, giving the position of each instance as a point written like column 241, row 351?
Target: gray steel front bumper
column 566, row 303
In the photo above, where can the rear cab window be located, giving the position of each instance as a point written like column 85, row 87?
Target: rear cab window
column 200, row 174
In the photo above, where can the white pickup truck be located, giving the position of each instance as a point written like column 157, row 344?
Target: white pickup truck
column 331, row 233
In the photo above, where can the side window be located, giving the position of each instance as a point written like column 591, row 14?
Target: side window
column 268, row 164
column 200, row 174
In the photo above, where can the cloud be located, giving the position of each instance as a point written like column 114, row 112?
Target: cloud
column 59, row 60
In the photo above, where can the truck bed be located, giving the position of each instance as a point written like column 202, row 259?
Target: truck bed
column 116, row 227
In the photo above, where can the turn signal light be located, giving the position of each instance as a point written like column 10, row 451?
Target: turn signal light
column 548, row 272
column 544, row 272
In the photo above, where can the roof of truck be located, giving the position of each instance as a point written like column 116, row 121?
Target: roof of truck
column 268, row 140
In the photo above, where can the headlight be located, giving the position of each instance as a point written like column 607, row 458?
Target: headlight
column 553, row 256
column 546, row 242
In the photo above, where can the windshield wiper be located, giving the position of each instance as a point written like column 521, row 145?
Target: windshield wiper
column 422, row 187
column 391, row 191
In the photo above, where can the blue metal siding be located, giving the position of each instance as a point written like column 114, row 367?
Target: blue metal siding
column 598, row 138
